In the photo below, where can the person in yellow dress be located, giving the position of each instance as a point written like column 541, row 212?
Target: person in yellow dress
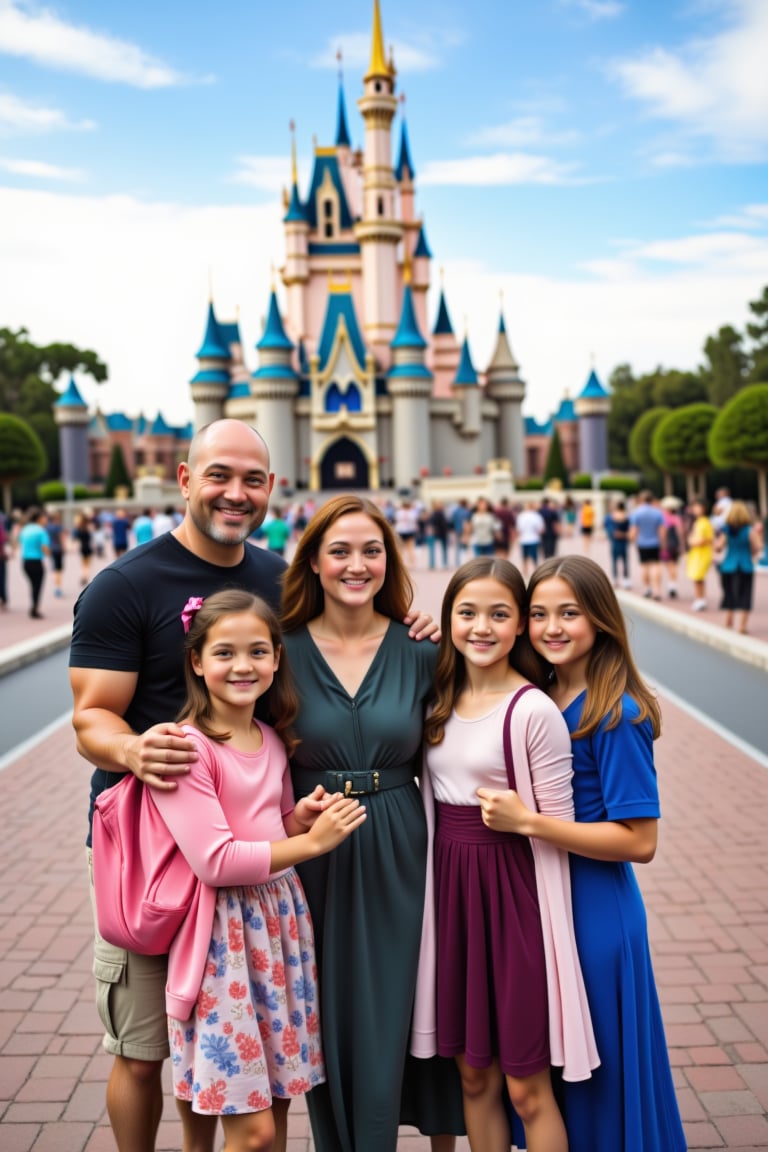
column 699, row 555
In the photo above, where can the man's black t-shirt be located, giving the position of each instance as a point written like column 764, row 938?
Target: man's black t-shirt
column 128, row 619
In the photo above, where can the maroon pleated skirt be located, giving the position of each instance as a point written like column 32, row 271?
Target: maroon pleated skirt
column 491, row 977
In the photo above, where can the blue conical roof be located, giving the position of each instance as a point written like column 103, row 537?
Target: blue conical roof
column 465, row 373
column 296, row 210
column 404, row 161
column 71, row 398
column 274, row 332
column 592, row 388
column 214, row 344
column 408, row 335
column 422, row 248
column 443, row 322
column 160, row 427
column 342, row 132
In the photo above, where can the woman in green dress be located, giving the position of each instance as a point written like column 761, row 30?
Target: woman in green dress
column 363, row 685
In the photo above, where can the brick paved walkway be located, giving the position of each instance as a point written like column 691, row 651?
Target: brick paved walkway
column 706, row 893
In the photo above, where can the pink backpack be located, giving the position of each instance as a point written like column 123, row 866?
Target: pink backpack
column 144, row 886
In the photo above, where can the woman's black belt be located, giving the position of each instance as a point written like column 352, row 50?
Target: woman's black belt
column 305, row 780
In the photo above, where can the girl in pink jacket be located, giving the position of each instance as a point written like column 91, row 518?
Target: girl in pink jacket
column 242, row 1002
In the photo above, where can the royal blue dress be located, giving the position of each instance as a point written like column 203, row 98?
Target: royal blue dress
column 629, row 1103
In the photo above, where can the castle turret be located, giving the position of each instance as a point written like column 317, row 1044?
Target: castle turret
column 409, row 383
column 592, row 406
column 71, row 414
column 274, row 389
column 210, row 384
column 445, row 351
column 379, row 232
column 295, row 273
column 467, row 387
column 505, row 386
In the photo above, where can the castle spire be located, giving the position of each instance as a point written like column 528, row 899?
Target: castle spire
column 342, row 131
column 378, row 65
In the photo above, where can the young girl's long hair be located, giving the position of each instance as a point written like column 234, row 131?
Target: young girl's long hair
column 279, row 705
column 303, row 596
column 451, row 672
column 611, row 669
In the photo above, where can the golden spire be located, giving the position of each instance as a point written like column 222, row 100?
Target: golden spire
column 378, row 65
column 407, row 267
column 294, row 165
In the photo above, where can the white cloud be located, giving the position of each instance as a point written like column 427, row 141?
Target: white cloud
column 597, row 9
column 502, row 168
column 39, row 34
column 522, row 132
column 713, row 88
column 355, row 48
column 38, row 169
column 270, row 173
column 20, row 116
column 751, row 216
column 130, row 279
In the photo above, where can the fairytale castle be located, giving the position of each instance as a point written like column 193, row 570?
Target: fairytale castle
column 353, row 387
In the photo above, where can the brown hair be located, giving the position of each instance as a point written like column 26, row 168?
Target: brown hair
column 611, row 670
column 303, row 596
column 450, row 672
column 281, row 699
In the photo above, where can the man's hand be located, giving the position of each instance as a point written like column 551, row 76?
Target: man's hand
column 160, row 755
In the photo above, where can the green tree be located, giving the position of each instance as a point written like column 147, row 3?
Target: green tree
column 629, row 399
column 680, row 443
column 22, row 455
column 555, row 466
column 117, row 476
column 758, row 331
column 671, row 388
column 739, row 436
column 28, row 373
column 728, row 365
column 640, row 446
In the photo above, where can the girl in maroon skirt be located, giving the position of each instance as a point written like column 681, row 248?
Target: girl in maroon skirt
column 510, row 999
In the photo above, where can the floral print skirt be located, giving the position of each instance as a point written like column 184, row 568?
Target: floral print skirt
column 255, row 1030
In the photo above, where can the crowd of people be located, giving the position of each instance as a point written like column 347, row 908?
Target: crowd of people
column 415, row 897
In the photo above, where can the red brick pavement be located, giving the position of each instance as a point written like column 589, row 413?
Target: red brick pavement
column 706, row 894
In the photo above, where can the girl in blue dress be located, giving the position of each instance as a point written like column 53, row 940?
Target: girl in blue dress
column 576, row 625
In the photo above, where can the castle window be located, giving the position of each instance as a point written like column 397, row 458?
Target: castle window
column 350, row 399
column 380, row 205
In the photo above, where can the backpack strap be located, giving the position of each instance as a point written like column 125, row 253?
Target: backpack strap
column 508, row 760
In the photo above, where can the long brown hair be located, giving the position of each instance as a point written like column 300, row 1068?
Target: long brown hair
column 451, row 672
column 611, row 669
column 280, row 703
column 303, row 596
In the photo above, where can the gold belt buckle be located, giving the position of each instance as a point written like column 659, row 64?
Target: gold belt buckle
column 350, row 791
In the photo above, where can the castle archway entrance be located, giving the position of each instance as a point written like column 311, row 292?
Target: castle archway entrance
column 344, row 466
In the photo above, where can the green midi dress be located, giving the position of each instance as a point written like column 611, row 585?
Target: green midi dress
column 366, row 897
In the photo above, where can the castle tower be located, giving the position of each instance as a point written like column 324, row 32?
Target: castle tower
column 592, row 406
column 210, row 384
column 379, row 232
column 467, row 387
column 421, row 262
column 445, row 351
column 409, row 383
column 274, row 389
column 71, row 414
column 295, row 273
column 504, row 385
column 567, row 425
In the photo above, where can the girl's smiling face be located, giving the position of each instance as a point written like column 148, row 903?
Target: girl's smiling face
column 237, row 661
column 485, row 622
column 558, row 627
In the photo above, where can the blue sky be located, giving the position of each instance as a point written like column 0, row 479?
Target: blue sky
column 600, row 163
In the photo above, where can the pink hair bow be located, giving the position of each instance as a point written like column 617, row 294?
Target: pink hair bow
column 194, row 604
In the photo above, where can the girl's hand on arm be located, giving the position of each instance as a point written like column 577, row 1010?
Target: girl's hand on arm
column 421, row 626
column 611, row 840
column 307, row 810
column 338, row 821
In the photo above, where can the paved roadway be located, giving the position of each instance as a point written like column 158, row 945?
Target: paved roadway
column 706, row 895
